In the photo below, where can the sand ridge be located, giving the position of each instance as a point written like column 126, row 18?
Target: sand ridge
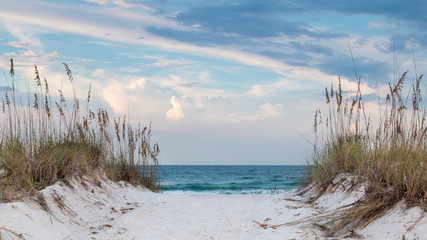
column 96, row 208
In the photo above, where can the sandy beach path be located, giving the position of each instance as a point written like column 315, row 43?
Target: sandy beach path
column 163, row 216
column 93, row 209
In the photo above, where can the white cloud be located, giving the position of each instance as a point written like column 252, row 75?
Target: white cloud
column 115, row 95
column 120, row 3
column 158, row 98
column 265, row 111
column 17, row 44
column 191, row 86
column 161, row 64
column 100, row 2
column 264, row 90
column 176, row 113
column 23, row 31
column 27, row 59
column 27, row 53
column 54, row 55
column 271, row 110
column 381, row 25
column 130, row 94
column 139, row 83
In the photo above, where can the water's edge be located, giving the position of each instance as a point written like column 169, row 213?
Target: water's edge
column 230, row 179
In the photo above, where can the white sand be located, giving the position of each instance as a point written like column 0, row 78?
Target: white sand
column 93, row 209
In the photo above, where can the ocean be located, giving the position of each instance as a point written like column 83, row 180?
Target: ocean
column 220, row 179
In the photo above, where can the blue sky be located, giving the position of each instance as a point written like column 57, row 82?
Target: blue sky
column 223, row 82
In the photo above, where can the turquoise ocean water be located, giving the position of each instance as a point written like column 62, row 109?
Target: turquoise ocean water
column 179, row 179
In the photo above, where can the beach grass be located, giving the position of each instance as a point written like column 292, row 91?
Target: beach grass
column 46, row 138
column 388, row 154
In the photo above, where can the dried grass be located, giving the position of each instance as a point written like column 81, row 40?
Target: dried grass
column 390, row 157
column 40, row 144
column 11, row 233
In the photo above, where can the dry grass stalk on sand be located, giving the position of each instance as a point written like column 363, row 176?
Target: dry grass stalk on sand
column 10, row 233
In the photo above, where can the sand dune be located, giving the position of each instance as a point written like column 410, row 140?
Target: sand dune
column 100, row 209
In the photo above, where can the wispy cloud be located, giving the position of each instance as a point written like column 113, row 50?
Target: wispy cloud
column 265, row 90
column 120, row 3
column 266, row 111
column 17, row 44
column 126, row 29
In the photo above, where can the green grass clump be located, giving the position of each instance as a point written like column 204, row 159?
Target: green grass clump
column 41, row 144
column 390, row 154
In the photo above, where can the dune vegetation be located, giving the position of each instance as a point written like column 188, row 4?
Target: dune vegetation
column 46, row 138
column 389, row 153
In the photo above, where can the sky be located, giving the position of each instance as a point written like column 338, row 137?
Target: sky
column 222, row 82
